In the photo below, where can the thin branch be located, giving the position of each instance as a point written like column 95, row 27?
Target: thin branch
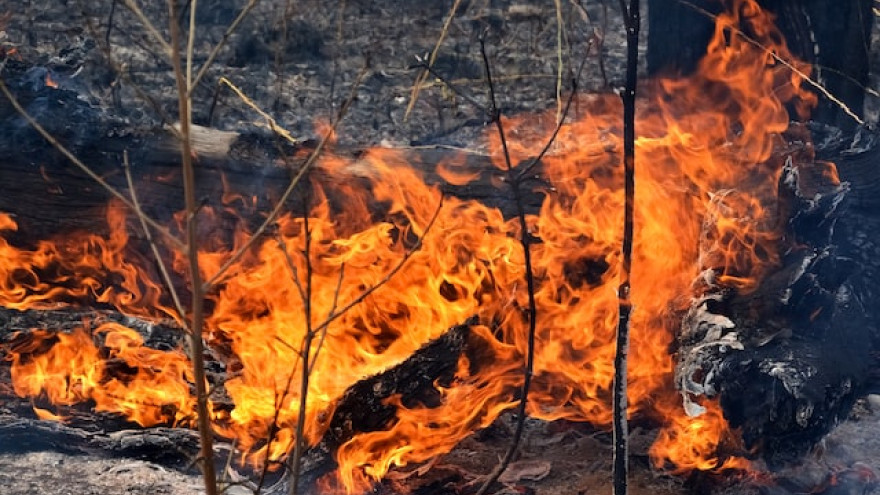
column 219, row 46
column 620, row 427
column 313, row 157
column 85, row 168
column 145, row 22
column 525, row 240
column 294, row 273
column 806, row 77
column 414, row 96
column 163, row 270
column 305, row 351
column 384, row 280
column 526, row 169
column 559, row 63
column 452, row 86
column 333, row 307
column 273, row 124
column 123, row 74
column 190, row 47
column 206, row 434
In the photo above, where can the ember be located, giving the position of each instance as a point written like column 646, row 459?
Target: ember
column 707, row 217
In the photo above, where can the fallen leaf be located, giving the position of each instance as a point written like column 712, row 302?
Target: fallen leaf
column 528, row 470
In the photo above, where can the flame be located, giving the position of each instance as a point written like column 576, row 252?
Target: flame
column 705, row 203
column 51, row 82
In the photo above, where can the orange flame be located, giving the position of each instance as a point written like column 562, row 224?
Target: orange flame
column 51, row 82
column 705, row 203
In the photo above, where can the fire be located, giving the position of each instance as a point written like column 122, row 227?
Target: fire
column 706, row 189
column 51, row 82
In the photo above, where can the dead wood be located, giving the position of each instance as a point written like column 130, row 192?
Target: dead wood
column 51, row 196
column 789, row 359
column 363, row 407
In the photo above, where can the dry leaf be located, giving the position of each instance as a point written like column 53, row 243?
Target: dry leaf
column 529, row 470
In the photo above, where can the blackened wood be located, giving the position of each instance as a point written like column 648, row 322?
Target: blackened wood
column 168, row 446
column 620, row 426
column 362, row 408
column 789, row 359
column 49, row 196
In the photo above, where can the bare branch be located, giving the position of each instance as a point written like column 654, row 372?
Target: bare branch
column 417, row 86
column 313, row 157
column 145, row 22
column 525, row 242
column 163, row 270
column 206, row 432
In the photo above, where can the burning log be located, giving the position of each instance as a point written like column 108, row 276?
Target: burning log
column 253, row 166
column 770, row 255
column 362, row 408
column 789, row 358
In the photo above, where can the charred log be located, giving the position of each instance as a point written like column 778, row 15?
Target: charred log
column 789, row 359
column 363, row 407
column 253, row 164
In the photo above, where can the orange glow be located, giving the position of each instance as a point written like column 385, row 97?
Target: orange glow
column 706, row 186
column 51, row 82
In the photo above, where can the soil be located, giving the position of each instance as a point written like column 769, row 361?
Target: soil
column 305, row 76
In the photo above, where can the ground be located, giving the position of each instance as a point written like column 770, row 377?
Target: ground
column 327, row 45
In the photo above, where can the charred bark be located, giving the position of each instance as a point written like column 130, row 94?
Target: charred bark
column 789, row 359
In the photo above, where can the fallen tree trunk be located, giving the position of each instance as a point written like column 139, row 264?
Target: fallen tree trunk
column 256, row 164
column 789, row 359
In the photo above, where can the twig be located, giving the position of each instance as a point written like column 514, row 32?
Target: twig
column 123, row 74
column 452, row 86
column 313, row 157
column 305, row 351
column 333, row 307
column 145, row 22
column 85, row 168
column 384, row 280
column 559, row 64
column 206, row 435
column 534, row 161
column 273, row 124
column 620, row 462
column 163, row 270
column 414, row 96
column 220, row 44
column 525, row 240
column 786, row 63
column 110, row 21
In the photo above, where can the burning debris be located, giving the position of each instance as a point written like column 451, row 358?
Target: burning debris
column 753, row 265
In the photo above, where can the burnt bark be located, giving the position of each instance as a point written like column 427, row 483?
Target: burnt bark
column 789, row 359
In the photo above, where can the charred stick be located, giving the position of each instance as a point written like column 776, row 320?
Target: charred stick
column 525, row 240
column 299, row 442
column 619, row 399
